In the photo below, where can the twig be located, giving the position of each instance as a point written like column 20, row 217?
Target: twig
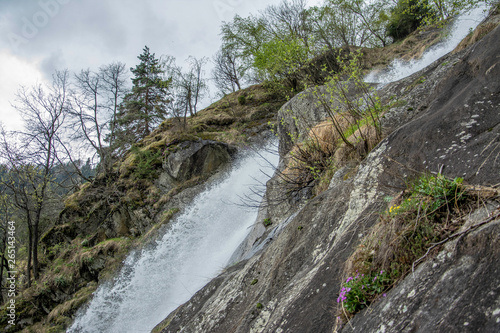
column 461, row 234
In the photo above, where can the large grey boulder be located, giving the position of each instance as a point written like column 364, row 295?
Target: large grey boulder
column 193, row 159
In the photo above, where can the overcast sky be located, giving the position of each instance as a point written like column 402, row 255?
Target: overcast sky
column 39, row 36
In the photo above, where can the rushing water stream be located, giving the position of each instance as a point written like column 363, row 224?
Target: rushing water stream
column 195, row 247
column 462, row 25
column 199, row 243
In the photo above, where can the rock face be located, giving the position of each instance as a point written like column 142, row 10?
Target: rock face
column 457, row 291
column 291, row 285
column 189, row 160
column 193, row 159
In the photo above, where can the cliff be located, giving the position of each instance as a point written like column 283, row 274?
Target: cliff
column 439, row 267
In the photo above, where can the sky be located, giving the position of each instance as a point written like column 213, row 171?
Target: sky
column 38, row 37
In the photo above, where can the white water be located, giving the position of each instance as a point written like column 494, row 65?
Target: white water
column 462, row 25
column 193, row 250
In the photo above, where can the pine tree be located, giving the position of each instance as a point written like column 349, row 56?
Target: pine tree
column 146, row 105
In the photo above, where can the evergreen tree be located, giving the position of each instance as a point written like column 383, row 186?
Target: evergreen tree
column 146, row 105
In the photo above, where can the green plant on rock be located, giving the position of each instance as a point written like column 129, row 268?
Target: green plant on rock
column 353, row 106
column 351, row 130
column 414, row 222
column 147, row 163
column 360, row 290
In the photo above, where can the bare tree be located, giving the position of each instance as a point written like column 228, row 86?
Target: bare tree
column 94, row 107
column 369, row 18
column 31, row 158
column 190, row 86
column 228, row 71
column 288, row 19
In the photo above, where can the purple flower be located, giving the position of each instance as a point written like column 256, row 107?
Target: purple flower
column 384, row 295
column 374, row 278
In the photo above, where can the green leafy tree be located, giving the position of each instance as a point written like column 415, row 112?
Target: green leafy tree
column 147, row 104
column 277, row 59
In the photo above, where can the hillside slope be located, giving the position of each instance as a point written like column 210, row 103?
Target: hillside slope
column 447, row 120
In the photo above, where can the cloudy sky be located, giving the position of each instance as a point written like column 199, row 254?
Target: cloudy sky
column 40, row 36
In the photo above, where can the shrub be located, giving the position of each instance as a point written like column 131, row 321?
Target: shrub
column 147, row 163
column 407, row 16
column 351, row 130
column 360, row 290
column 267, row 222
column 412, row 224
column 242, row 100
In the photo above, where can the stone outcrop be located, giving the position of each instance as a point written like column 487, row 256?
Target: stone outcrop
column 193, row 159
column 188, row 160
column 450, row 121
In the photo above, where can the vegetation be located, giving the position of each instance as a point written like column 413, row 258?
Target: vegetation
column 351, row 130
column 125, row 135
column 146, row 105
column 429, row 212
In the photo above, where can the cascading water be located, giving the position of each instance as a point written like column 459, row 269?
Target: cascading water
column 461, row 27
column 195, row 247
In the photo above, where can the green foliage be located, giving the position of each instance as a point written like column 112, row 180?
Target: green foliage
column 147, row 163
column 146, row 106
column 442, row 190
column 407, row 16
column 61, row 281
column 352, row 104
column 360, row 290
column 242, row 100
column 279, row 58
column 267, row 222
column 254, row 281
column 259, row 306
column 406, row 231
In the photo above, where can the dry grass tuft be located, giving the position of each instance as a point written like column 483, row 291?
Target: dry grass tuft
column 481, row 31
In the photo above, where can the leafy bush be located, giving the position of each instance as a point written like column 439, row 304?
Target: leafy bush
column 147, row 163
column 351, row 130
column 407, row 16
column 277, row 58
column 360, row 290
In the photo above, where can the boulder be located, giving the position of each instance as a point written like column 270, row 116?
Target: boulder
column 193, row 158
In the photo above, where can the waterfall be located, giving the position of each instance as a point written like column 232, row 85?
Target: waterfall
column 195, row 248
column 462, row 25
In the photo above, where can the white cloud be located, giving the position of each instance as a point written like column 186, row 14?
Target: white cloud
column 15, row 73
column 80, row 34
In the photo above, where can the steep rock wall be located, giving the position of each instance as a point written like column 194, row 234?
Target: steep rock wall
column 292, row 284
